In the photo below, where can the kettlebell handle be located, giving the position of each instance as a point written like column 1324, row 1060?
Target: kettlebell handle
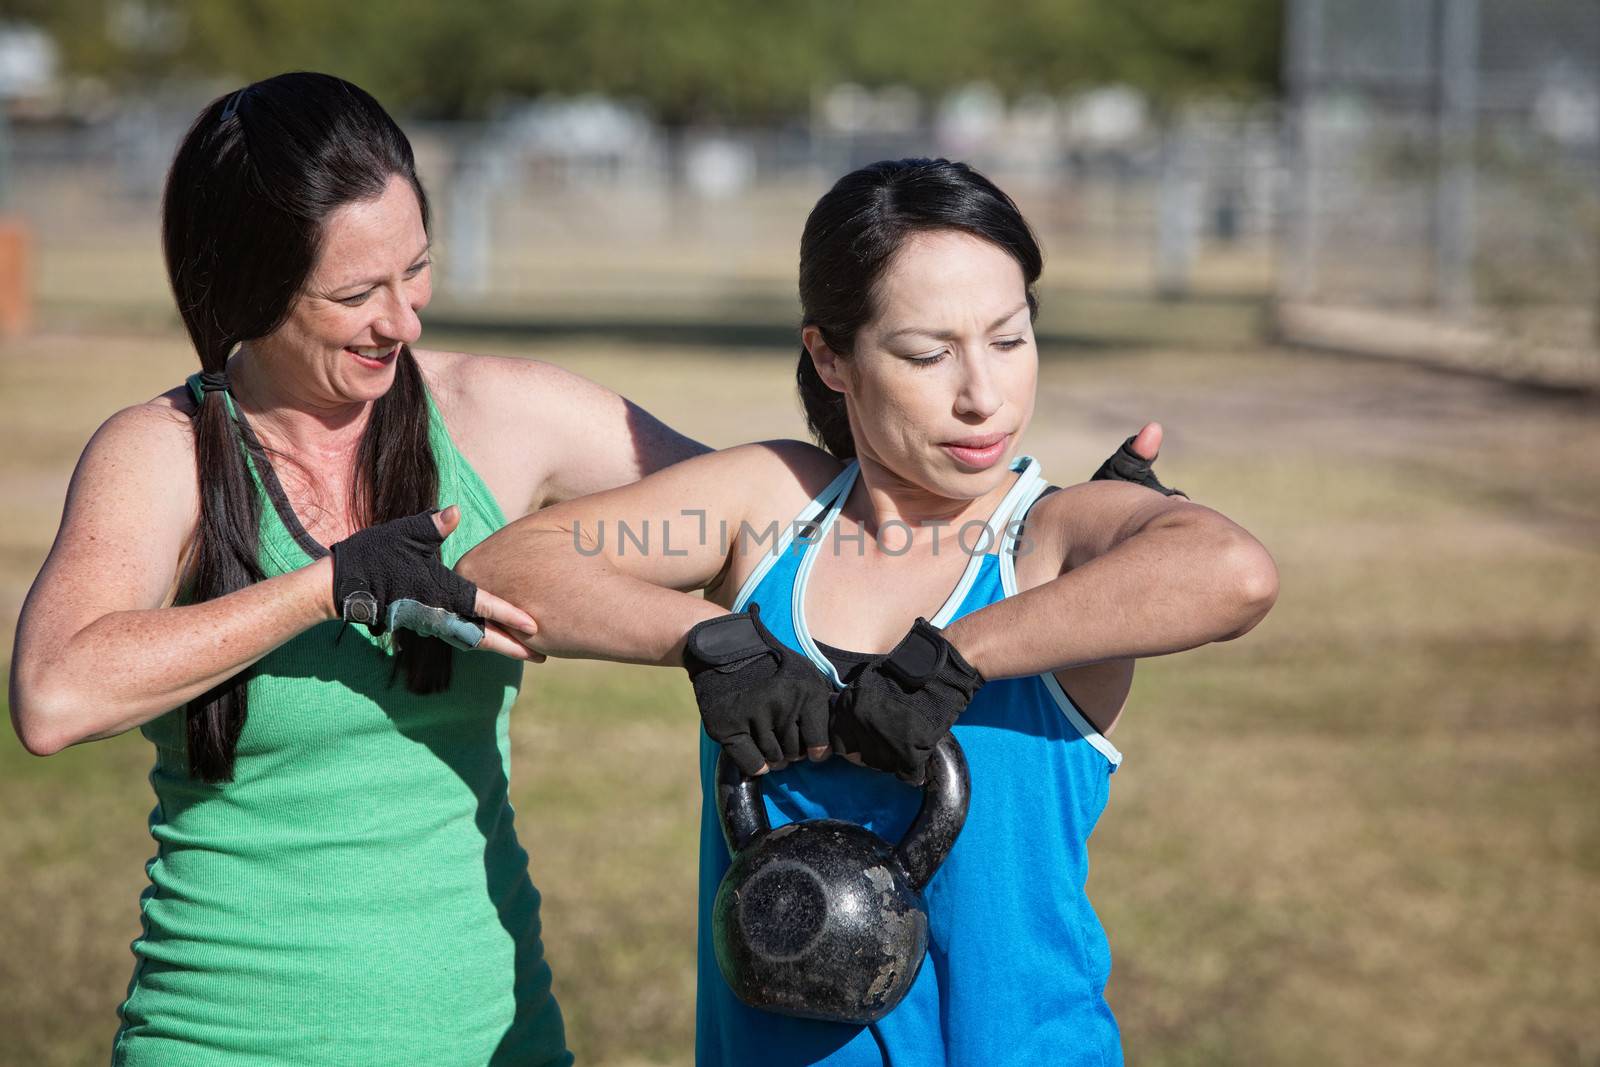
column 945, row 795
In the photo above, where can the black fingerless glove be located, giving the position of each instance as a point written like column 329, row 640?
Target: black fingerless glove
column 1126, row 465
column 390, row 575
column 901, row 704
column 763, row 702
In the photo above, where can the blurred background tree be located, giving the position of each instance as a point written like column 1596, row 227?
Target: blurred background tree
column 713, row 60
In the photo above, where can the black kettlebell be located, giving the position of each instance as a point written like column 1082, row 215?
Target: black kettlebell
column 824, row 919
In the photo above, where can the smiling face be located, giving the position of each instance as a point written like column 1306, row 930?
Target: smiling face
column 941, row 383
column 359, row 305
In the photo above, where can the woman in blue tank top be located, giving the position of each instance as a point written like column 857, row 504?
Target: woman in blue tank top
column 913, row 577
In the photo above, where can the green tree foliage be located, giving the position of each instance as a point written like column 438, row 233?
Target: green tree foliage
column 732, row 60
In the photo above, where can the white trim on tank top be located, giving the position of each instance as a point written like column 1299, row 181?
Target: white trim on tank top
column 1008, row 585
column 807, row 514
column 1028, row 475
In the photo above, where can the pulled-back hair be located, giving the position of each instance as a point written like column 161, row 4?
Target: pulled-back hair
column 252, row 184
column 853, row 233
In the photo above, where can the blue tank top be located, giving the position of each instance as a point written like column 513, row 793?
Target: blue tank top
column 1017, row 961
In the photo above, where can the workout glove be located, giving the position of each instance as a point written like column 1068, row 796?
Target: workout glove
column 900, row 705
column 1126, row 465
column 761, row 701
column 390, row 576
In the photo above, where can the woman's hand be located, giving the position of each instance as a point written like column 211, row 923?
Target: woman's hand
column 1135, row 461
column 760, row 700
column 902, row 704
column 390, row 576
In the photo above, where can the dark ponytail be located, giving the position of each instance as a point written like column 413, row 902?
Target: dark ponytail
column 249, row 189
column 853, row 233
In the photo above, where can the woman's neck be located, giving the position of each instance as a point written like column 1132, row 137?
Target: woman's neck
column 288, row 420
column 881, row 497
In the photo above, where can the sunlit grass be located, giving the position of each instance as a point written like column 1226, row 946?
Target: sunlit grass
column 1366, row 833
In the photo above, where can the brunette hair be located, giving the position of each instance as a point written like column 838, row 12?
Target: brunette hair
column 853, row 233
column 253, row 182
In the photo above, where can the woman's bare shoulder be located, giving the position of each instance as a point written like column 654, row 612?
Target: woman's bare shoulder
column 1073, row 524
column 176, row 401
column 146, row 450
column 539, row 433
column 779, row 478
column 471, row 385
column 806, row 467
column 135, row 489
column 162, row 425
column 755, row 482
column 773, row 480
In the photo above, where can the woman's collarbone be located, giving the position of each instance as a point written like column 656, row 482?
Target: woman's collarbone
column 868, row 604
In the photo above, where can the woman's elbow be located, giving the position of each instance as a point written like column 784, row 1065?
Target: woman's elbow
column 39, row 744
column 37, row 725
column 1251, row 583
column 42, row 713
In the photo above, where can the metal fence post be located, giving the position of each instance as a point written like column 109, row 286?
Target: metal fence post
column 468, row 228
column 1303, row 235
column 1455, row 206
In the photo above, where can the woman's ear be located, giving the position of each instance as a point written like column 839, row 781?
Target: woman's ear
column 830, row 368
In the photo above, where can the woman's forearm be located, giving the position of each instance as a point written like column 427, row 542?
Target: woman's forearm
column 1183, row 581
column 585, row 607
column 128, row 667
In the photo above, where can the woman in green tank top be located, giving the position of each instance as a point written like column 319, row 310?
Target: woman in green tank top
column 337, row 878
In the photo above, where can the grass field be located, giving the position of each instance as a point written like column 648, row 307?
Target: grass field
column 1367, row 833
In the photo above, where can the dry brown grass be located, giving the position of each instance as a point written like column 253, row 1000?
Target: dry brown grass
column 1366, row 833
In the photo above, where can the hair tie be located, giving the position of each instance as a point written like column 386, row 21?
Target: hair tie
column 202, row 385
column 231, row 108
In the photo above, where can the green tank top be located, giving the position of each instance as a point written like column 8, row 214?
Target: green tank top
column 357, row 894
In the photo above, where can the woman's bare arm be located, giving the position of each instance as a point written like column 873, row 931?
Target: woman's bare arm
column 98, row 651
column 1140, row 574
column 612, row 575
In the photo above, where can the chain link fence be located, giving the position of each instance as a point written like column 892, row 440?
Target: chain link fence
column 1445, row 180
column 589, row 210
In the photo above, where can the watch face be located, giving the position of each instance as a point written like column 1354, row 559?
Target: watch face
column 361, row 607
